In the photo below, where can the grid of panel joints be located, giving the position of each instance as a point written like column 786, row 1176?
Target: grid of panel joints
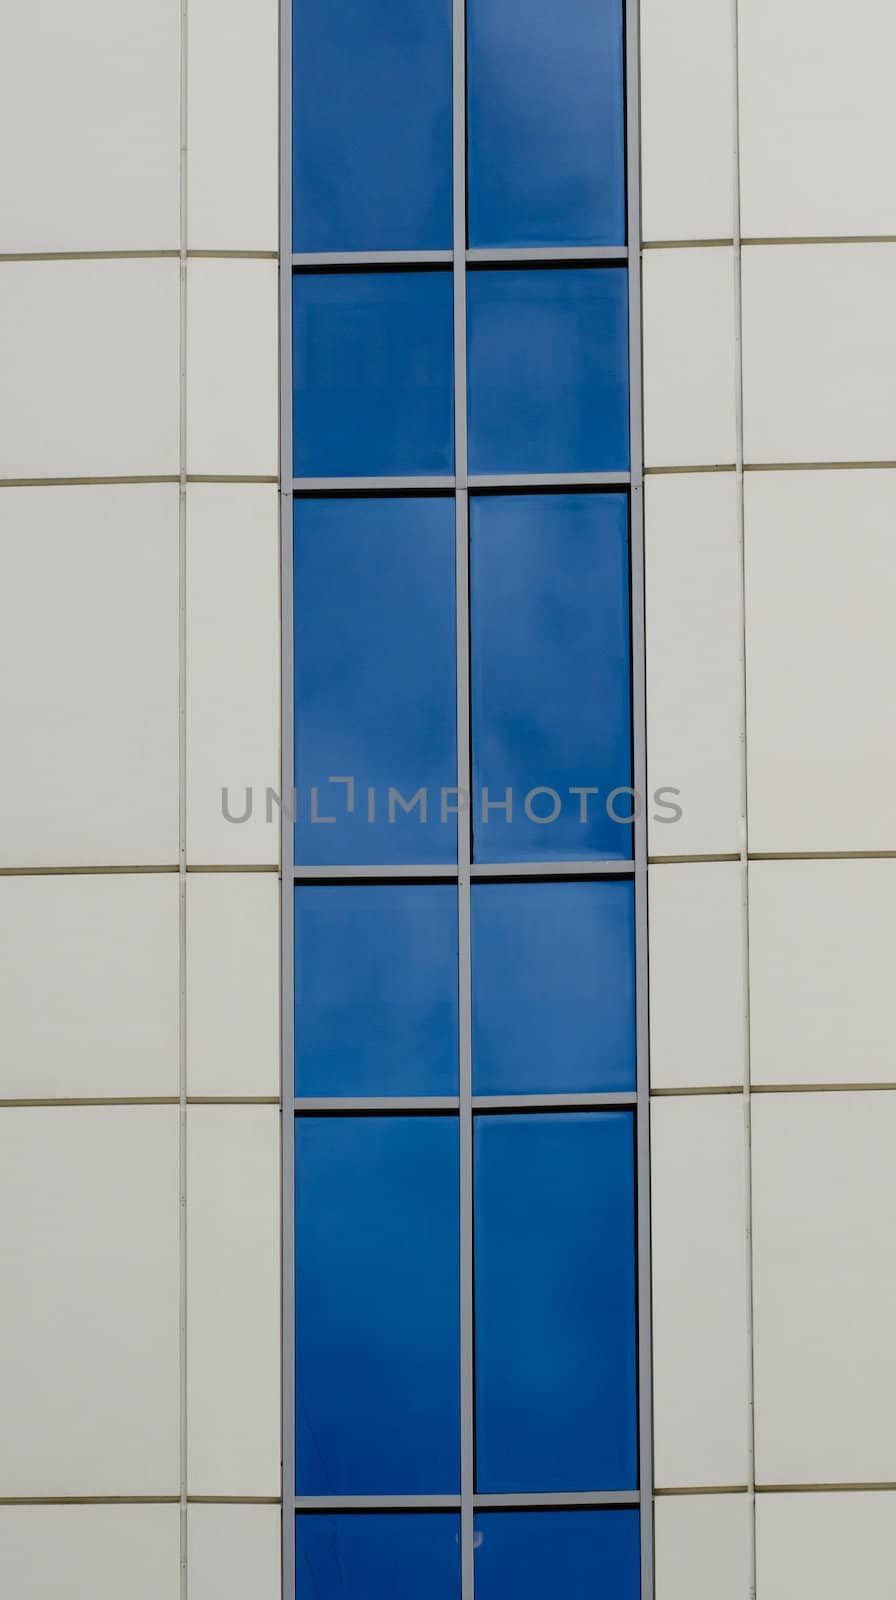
column 459, row 258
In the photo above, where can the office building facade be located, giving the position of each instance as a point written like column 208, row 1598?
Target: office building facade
column 446, row 835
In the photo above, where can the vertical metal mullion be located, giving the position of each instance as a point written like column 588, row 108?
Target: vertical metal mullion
column 183, row 243
column 287, row 842
column 639, row 742
column 464, row 825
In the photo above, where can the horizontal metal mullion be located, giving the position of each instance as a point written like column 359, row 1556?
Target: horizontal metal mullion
column 522, row 1502
column 553, row 869
column 374, row 874
column 377, row 1502
column 510, row 256
column 549, row 480
column 308, row 1104
column 365, row 485
column 451, row 1502
column 307, row 260
column 553, row 1102
column 523, row 870
column 446, row 483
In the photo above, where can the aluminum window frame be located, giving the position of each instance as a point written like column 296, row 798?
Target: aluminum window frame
column 459, row 259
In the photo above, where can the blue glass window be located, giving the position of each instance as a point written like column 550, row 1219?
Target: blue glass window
column 551, row 689
column 545, row 122
column 375, row 1555
column 555, row 1302
column 373, row 364
column 377, row 1305
column 375, row 687
column 569, row 1555
column 547, row 352
column 371, row 153
column 376, row 989
column 553, row 987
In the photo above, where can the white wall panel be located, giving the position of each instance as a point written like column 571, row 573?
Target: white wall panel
column 698, row 1251
column 89, row 985
column 233, row 1296
column 824, row 1261
column 103, row 1552
column 688, row 333
column 825, row 1546
column 233, row 671
column 819, row 351
column 821, row 660
column 818, row 117
column 232, row 150
column 232, row 367
column 88, row 675
column 703, row 1547
column 687, row 119
column 822, row 959
column 89, row 126
column 234, row 1552
column 89, row 1242
column 692, row 574
column 88, row 369
column 696, row 975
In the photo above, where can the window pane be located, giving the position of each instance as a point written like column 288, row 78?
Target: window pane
column 555, row 1302
column 553, row 987
column 548, row 369
column 373, row 362
column 375, row 688
column 551, row 690
column 376, row 989
column 371, row 125
column 545, row 122
column 377, row 1305
column 569, row 1555
column 377, row 1555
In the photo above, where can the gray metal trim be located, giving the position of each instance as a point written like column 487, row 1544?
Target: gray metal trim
column 609, row 254
column 453, row 1502
column 447, row 483
column 596, row 255
column 287, row 1120
column 375, row 1502
column 464, row 781
column 610, row 1497
column 307, row 1105
column 480, row 869
column 346, row 1105
column 366, row 485
column 372, row 874
column 639, row 753
column 550, row 480
column 553, row 1102
column 307, row 260
column 553, row 869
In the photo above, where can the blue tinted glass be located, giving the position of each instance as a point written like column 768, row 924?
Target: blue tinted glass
column 553, row 987
column 555, row 1302
column 375, row 688
column 373, row 363
column 376, row 1555
column 371, row 143
column 569, row 1555
column 545, row 122
column 376, row 989
column 377, row 1305
column 547, row 352
column 551, row 694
